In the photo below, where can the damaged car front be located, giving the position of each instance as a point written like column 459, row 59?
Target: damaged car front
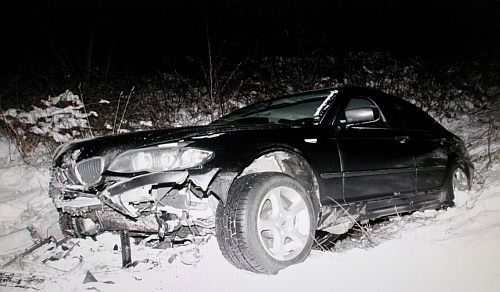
column 180, row 185
column 271, row 180
column 128, row 182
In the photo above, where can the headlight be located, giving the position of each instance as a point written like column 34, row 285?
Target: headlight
column 159, row 159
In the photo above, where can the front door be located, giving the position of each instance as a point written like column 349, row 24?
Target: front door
column 376, row 159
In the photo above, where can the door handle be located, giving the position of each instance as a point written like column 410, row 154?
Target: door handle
column 402, row 139
column 442, row 141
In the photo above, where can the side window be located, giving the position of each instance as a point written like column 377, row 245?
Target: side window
column 410, row 119
column 414, row 118
column 384, row 121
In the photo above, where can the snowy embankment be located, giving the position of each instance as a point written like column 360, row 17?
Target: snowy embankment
column 447, row 250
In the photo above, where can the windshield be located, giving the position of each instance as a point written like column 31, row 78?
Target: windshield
column 303, row 108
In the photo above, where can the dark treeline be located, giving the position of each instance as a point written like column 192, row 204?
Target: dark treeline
column 209, row 52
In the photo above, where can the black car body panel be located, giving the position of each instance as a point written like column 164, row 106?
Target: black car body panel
column 363, row 154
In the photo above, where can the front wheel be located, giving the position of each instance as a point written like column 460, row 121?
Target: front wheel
column 268, row 223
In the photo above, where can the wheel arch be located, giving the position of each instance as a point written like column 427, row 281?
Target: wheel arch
column 291, row 163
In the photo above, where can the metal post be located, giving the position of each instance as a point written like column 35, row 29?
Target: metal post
column 126, row 252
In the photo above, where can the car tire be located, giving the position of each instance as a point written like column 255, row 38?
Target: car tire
column 457, row 180
column 267, row 223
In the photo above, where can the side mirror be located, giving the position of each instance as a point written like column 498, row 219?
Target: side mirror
column 362, row 115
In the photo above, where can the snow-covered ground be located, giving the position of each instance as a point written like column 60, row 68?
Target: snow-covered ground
column 448, row 250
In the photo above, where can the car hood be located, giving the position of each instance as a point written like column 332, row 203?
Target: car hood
column 112, row 145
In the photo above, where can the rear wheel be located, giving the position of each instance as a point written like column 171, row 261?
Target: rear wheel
column 457, row 181
column 268, row 223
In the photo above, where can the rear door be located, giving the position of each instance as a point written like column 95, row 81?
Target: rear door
column 427, row 138
column 376, row 159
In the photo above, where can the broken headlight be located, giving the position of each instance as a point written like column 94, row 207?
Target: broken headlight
column 157, row 159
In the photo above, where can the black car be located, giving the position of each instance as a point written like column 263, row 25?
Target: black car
column 269, row 180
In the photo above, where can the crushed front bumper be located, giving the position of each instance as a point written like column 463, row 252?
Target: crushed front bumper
column 136, row 204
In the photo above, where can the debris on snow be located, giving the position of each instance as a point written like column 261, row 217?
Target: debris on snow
column 21, row 280
column 18, row 240
column 89, row 278
column 29, row 250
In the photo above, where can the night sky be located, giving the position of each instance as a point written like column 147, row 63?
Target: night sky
column 143, row 33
